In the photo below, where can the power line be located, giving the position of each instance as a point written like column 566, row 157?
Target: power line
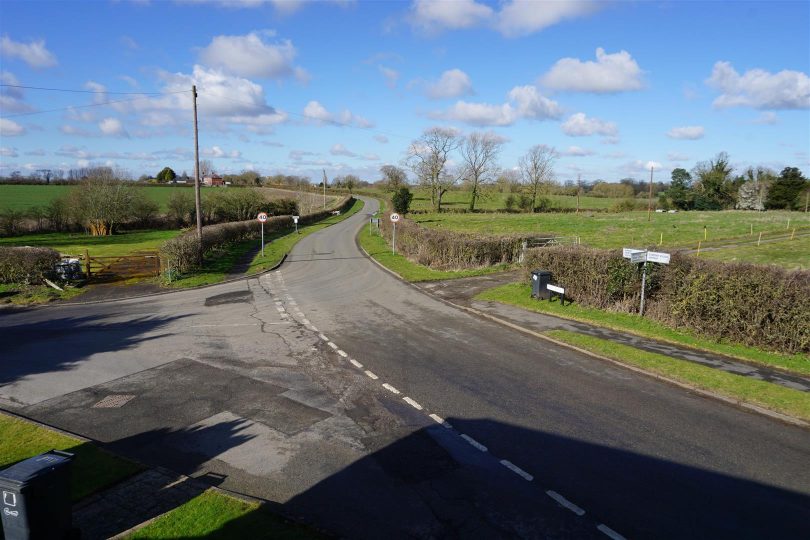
column 91, row 105
column 83, row 91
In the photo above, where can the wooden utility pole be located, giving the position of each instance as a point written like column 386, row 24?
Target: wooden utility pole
column 197, row 177
column 806, row 201
column 649, row 202
column 579, row 188
column 324, row 189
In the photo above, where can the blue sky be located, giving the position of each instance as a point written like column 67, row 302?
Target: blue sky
column 295, row 87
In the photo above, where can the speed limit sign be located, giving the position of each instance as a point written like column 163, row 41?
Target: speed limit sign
column 262, row 217
column 394, row 217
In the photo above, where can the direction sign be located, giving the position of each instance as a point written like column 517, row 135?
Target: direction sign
column 626, row 252
column 262, row 217
column 656, row 257
column 638, row 257
column 394, row 217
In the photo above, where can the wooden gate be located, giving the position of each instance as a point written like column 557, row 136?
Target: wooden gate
column 113, row 268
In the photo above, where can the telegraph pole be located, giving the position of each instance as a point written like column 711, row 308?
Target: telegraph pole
column 197, row 177
column 579, row 188
column 324, row 189
column 649, row 203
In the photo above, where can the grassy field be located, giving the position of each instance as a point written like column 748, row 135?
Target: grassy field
column 497, row 201
column 745, row 389
column 790, row 254
column 519, row 294
column 92, row 468
column 23, row 197
column 98, row 246
column 214, row 515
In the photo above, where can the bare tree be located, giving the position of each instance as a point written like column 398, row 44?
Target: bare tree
column 206, row 168
column 479, row 154
column 393, row 177
column 428, row 157
column 102, row 201
column 537, row 169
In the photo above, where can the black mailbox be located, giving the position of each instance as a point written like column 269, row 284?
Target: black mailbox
column 541, row 278
column 36, row 497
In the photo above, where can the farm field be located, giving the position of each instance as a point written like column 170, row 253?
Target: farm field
column 99, row 246
column 790, row 254
column 626, row 229
column 23, row 197
column 460, row 200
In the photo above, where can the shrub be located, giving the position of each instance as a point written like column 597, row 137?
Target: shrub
column 26, row 264
column 11, row 221
column 402, row 200
column 511, row 202
column 625, row 205
column 525, row 202
column 757, row 305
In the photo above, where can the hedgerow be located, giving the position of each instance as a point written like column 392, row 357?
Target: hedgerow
column 757, row 305
column 27, row 264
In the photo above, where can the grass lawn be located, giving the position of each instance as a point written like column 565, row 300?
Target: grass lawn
column 99, row 246
column 376, row 246
column 454, row 199
column 791, row 254
column 92, row 468
column 519, row 294
column 217, row 516
column 768, row 395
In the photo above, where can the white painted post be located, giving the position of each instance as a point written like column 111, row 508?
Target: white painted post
column 643, row 286
column 262, row 239
column 394, row 239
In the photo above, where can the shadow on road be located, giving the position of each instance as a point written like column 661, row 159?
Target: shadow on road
column 60, row 344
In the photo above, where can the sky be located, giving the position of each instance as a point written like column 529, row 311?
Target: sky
column 296, row 87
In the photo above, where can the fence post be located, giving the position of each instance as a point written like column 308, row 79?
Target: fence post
column 523, row 246
column 87, row 261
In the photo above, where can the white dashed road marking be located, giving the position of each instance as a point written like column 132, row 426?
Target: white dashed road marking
column 412, row 403
column 610, row 532
column 371, row 375
column 332, row 345
column 517, row 470
column 355, row 363
column 477, row 445
column 342, row 353
column 323, row 337
column 390, row 388
column 562, row 501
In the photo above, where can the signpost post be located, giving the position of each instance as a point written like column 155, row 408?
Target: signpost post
column 637, row 256
column 394, row 219
column 262, row 217
column 295, row 220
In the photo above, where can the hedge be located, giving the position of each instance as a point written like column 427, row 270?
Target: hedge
column 27, row 264
column 758, row 305
column 445, row 250
column 180, row 253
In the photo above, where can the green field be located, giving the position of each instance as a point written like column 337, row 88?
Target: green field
column 627, row 229
column 23, row 197
column 790, row 254
column 457, row 199
column 99, row 246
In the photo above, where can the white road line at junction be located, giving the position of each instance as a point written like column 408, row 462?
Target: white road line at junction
column 323, row 337
column 390, row 388
column 355, row 363
column 334, row 346
column 412, row 403
column 477, row 445
column 610, row 532
column 371, row 375
column 562, row 501
column 517, row 470
column 342, row 353
column 311, row 327
column 439, row 420
column 232, row 324
column 306, row 321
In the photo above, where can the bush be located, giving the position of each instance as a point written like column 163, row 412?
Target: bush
column 26, row 264
column 525, row 202
column 511, row 202
column 625, row 205
column 402, row 200
column 757, row 305
column 11, row 221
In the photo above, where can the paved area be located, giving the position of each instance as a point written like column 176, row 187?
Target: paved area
column 354, row 402
column 463, row 291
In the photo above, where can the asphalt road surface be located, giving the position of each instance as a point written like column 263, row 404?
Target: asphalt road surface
column 355, row 402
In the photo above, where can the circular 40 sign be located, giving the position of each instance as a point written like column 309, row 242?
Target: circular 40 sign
column 262, row 217
column 394, row 217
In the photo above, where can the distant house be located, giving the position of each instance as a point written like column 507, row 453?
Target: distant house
column 213, row 180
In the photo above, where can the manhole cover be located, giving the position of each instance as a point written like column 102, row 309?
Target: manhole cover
column 113, row 401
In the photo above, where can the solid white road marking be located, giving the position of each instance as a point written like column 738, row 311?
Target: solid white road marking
column 305, row 321
column 232, row 324
column 390, row 388
column 371, row 375
column 332, row 345
column 323, row 337
column 412, row 403
column 517, row 470
column 313, row 328
column 473, row 442
column 562, row 501
column 610, row 532
column 342, row 353
column 355, row 363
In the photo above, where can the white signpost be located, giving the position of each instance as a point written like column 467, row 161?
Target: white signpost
column 637, row 256
column 262, row 217
column 394, row 219
column 295, row 220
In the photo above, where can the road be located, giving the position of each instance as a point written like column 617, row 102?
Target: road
column 257, row 386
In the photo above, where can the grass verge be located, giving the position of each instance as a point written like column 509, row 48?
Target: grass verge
column 125, row 243
column 745, row 389
column 379, row 249
column 216, row 267
column 519, row 294
column 214, row 515
column 92, row 469
column 20, row 294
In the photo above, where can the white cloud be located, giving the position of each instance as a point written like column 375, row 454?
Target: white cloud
column 10, row 128
column 99, row 91
column 35, row 152
column 67, row 129
column 677, row 157
column 452, row 83
column 250, row 56
column 610, row 73
column 11, row 99
column 316, row 112
column 686, row 132
column 521, row 17
column 381, row 139
column 577, row 151
column 35, row 54
column 8, row 152
column 112, row 127
column 431, row 16
column 639, row 166
column 129, row 43
column 340, row 150
column 129, row 80
column 579, row 125
column 759, row 89
column 767, row 118
column 217, row 152
column 522, row 102
column 391, row 76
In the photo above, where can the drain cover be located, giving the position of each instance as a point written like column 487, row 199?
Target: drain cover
column 113, row 401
